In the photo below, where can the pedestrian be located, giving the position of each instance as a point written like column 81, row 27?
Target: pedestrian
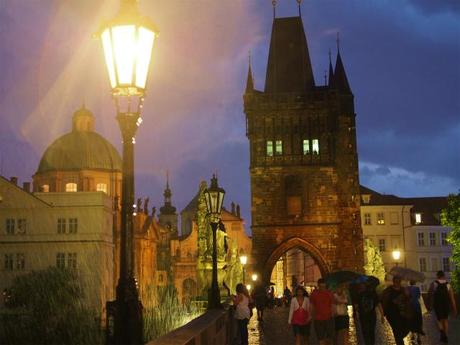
column 416, row 322
column 442, row 300
column 242, row 312
column 367, row 301
column 300, row 316
column 322, row 301
column 287, row 296
column 342, row 320
column 260, row 299
column 396, row 307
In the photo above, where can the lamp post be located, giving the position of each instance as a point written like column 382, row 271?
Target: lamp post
column 244, row 261
column 396, row 256
column 214, row 197
column 127, row 41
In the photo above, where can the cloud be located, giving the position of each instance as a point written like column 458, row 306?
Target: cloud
column 430, row 7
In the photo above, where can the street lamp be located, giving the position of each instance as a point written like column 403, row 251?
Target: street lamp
column 396, row 255
column 127, row 41
column 244, row 261
column 214, row 197
column 254, row 277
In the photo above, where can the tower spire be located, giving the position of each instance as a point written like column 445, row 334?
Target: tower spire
column 340, row 76
column 299, row 2
column 167, row 208
column 274, row 8
column 249, row 80
column 331, row 72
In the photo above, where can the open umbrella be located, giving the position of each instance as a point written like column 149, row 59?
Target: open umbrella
column 407, row 274
column 340, row 277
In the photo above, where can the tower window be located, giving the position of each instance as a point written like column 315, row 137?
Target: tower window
column 101, row 187
column 269, row 148
column 306, row 146
column 315, row 148
column 279, row 147
column 418, row 218
column 45, row 188
column 294, row 205
column 71, row 187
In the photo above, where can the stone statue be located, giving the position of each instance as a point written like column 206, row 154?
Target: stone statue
column 146, row 205
column 154, row 210
column 234, row 273
column 139, row 205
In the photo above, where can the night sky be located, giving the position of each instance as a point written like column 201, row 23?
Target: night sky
column 402, row 59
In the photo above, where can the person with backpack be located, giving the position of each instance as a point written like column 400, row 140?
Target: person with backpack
column 300, row 315
column 442, row 301
column 367, row 301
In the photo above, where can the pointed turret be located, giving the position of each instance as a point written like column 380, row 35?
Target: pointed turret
column 331, row 73
column 340, row 76
column 249, row 80
column 289, row 68
column 167, row 208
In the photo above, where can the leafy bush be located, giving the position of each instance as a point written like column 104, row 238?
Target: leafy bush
column 451, row 217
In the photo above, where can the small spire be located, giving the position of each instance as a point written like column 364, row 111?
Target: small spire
column 299, row 2
column 340, row 76
column 331, row 71
column 167, row 179
column 338, row 42
column 274, row 8
column 249, row 80
column 325, row 77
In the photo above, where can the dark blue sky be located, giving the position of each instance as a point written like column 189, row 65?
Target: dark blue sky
column 402, row 59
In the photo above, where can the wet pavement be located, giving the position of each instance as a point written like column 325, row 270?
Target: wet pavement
column 276, row 331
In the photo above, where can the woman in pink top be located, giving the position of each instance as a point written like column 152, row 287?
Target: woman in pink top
column 300, row 315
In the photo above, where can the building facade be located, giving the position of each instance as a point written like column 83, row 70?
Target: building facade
column 303, row 159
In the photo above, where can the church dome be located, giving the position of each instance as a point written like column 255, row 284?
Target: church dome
column 81, row 149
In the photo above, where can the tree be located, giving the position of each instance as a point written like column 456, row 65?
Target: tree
column 47, row 308
column 373, row 262
column 450, row 217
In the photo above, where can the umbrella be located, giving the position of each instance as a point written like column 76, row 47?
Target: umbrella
column 371, row 280
column 340, row 277
column 407, row 274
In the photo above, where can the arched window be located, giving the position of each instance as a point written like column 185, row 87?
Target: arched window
column 71, row 187
column 101, row 187
column 45, row 188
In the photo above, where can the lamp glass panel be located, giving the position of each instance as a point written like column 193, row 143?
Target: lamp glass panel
column 221, row 201
column 145, row 39
column 214, row 197
column 108, row 54
column 124, row 46
column 208, row 201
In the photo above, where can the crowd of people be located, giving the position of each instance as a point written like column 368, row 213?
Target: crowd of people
column 326, row 311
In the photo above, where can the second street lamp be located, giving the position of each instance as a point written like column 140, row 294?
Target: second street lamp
column 214, row 196
column 396, row 255
column 127, row 41
column 244, row 261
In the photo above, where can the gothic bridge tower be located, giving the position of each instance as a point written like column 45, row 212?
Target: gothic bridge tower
column 303, row 159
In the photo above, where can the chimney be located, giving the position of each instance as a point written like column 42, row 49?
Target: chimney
column 238, row 211
column 26, row 186
column 233, row 208
column 14, row 180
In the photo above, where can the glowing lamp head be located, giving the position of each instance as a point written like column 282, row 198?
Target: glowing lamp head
column 248, row 287
column 254, row 277
column 214, row 197
column 396, row 254
column 243, row 259
column 127, row 41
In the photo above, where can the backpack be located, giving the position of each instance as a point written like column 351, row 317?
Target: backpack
column 441, row 295
column 367, row 303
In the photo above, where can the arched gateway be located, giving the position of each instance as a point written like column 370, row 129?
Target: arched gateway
column 303, row 159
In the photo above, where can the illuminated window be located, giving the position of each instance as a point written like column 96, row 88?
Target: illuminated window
column 421, row 239
column 60, row 260
column 382, row 245
column 10, row 224
column 22, row 226
column 380, row 218
column 366, row 198
column 71, row 187
column 432, row 238
column 306, row 146
column 269, row 148
column 279, row 147
column 61, row 225
column 294, row 205
column 45, row 188
column 315, row 148
column 101, row 187
column 73, row 225
column 20, row 262
column 444, row 239
column 72, row 260
column 367, row 219
column 422, row 264
column 418, row 218
column 8, row 264
column 446, row 264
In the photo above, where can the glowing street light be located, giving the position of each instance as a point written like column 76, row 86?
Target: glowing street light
column 127, row 41
column 254, row 277
column 396, row 255
column 244, row 261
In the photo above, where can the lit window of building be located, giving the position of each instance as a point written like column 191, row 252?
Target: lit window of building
column 422, row 264
column 101, row 187
column 306, row 146
column 421, row 239
column 10, row 225
column 61, row 225
column 366, row 198
column 446, row 264
column 444, row 239
column 279, row 147
column 315, row 146
column 71, row 187
column 269, row 148
column 432, row 238
column 382, row 245
column 73, row 225
column 434, row 264
column 418, row 218
column 367, row 219
column 380, row 218
column 22, row 226
column 60, row 260
column 45, row 188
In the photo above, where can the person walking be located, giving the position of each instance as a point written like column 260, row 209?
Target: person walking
column 287, row 296
column 416, row 322
column 395, row 300
column 242, row 312
column 260, row 299
column 367, row 302
column 300, row 316
column 442, row 300
column 322, row 301
column 342, row 320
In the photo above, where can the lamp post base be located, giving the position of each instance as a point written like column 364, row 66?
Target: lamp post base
column 214, row 299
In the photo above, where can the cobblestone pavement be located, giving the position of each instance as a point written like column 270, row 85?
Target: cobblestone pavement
column 275, row 331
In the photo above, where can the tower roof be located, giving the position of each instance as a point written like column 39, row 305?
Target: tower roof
column 289, row 67
column 340, row 76
column 249, row 80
